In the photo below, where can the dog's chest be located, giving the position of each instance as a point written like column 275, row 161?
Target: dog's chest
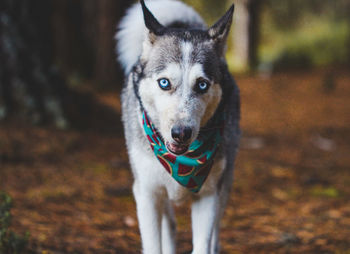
column 150, row 174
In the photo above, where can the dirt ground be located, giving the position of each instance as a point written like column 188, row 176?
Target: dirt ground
column 72, row 189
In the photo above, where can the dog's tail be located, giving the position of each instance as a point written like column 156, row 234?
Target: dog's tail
column 132, row 30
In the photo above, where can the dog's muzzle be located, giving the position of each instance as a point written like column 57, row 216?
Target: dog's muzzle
column 181, row 136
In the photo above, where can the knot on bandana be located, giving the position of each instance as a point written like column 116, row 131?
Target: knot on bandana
column 192, row 168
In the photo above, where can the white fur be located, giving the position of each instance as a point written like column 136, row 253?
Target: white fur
column 186, row 49
column 132, row 30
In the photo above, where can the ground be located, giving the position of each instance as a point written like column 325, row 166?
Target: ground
column 72, row 189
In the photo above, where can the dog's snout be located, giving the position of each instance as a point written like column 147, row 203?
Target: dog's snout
column 187, row 133
column 181, row 134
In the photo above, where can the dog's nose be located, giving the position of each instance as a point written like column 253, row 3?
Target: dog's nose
column 181, row 134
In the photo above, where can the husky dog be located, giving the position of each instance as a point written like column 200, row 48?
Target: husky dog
column 180, row 109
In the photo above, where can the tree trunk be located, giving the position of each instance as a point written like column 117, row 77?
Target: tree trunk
column 254, row 9
column 73, row 51
column 29, row 82
column 107, row 72
column 246, row 34
column 347, row 8
column 84, row 39
column 106, row 67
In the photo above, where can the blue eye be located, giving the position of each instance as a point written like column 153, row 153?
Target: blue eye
column 202, row 86
column 164, row 84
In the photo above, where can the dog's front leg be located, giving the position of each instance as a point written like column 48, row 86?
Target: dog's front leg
column 204, row 217
column 168, row 229
column 149, row 217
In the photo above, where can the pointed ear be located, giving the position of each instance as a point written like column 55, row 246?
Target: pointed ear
column 221, row 29
column 151, row 22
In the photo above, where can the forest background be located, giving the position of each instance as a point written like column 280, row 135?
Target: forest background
column 62, row 153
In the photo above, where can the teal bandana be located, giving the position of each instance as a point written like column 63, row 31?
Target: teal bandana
column 191, row 169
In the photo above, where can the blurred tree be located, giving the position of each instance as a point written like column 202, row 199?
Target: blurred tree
column 30, row 85
column 210, row 10
column 347, row 10
column 246, row 33
column 84, row 39
column 306, row 33
column 45, row 42
column 72, row 50
column 108, row 14
column 287, row 14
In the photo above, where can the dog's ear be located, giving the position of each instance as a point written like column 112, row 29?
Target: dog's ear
column 220, row 30
column 152, row 24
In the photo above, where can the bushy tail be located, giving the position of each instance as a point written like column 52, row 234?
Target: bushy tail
column 132, row 30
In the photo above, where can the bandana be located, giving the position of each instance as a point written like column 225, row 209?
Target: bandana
column 192, row 168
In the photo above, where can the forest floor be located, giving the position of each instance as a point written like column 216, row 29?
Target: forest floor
column 72, row 189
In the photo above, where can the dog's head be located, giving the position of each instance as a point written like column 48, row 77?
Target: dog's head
column 180, row 88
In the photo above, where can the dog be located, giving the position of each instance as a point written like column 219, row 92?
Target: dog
column 181, row 111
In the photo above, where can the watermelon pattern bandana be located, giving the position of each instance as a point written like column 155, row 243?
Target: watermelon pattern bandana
column 192, row 168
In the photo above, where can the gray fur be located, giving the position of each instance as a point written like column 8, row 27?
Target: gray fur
column 169, row 51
